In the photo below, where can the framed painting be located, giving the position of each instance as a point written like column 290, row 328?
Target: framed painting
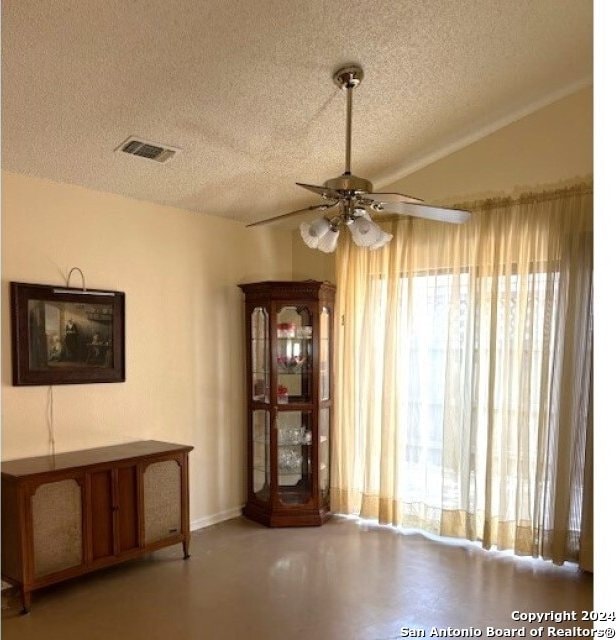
column 62, row 335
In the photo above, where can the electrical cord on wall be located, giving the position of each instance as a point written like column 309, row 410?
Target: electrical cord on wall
column 50, row 416
column 50, row 424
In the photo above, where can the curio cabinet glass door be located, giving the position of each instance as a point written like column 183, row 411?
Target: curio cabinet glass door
column 289, row 331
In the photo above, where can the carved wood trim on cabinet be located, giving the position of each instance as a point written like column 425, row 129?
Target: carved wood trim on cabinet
column 102, row 526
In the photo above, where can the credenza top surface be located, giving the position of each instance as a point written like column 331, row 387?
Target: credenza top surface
column 88, row 457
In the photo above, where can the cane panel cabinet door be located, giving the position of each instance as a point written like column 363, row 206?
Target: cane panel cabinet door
column 289, row 353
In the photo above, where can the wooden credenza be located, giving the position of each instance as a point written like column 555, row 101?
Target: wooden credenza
column 72, row 513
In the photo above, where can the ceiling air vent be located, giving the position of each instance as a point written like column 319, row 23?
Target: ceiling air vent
column 149, row 150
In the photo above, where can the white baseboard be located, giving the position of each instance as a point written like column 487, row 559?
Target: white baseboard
column 215, row 518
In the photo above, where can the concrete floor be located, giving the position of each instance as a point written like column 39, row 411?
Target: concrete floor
column 343, row 581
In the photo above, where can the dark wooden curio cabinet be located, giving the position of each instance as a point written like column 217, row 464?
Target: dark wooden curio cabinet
column 289, row 353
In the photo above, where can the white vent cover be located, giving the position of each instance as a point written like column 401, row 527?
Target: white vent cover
column 145, row 149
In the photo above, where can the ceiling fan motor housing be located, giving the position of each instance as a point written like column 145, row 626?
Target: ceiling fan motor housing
column 348, row 184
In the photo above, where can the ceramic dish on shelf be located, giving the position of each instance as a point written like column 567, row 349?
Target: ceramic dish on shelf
column 303, row 332
column 290, row 365
column 290, row 460
column 285, row 330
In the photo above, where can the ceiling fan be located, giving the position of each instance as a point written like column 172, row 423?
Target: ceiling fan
column 349, row 200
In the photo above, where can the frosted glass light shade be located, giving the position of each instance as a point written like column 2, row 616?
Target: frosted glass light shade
column 383, row 239
column 313, row 232
column 364, row 232
column 322, row 235
column 328, row 242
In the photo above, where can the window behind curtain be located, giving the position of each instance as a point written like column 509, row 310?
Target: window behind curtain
column 437, row 300
column 463, row 375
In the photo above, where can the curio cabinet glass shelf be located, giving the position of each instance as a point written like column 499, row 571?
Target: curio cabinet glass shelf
column 289, row 353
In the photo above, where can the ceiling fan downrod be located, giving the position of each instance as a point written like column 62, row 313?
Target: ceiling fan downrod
column 349, row 77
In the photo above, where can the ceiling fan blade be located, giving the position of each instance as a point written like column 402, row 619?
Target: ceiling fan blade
column 427, row 211
column 325, row 192
column 390, row 197
column 316, row 207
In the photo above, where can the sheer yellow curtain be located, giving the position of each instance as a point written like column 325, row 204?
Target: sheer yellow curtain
column 463, row 374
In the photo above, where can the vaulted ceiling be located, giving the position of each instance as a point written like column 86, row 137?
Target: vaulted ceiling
column 244, row 89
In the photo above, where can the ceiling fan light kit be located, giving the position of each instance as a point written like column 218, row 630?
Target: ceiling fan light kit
column 329, row 241
column 364, row 232
column 313, row 232
column 350, row 198
column 382, row 241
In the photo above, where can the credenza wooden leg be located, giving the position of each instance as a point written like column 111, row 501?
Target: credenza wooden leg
column 26, row 599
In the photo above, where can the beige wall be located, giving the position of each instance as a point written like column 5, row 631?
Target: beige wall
column 310, row 264
column 551, row 147
column 184, row 331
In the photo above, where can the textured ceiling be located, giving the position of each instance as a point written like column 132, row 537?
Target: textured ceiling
column 244, row 89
